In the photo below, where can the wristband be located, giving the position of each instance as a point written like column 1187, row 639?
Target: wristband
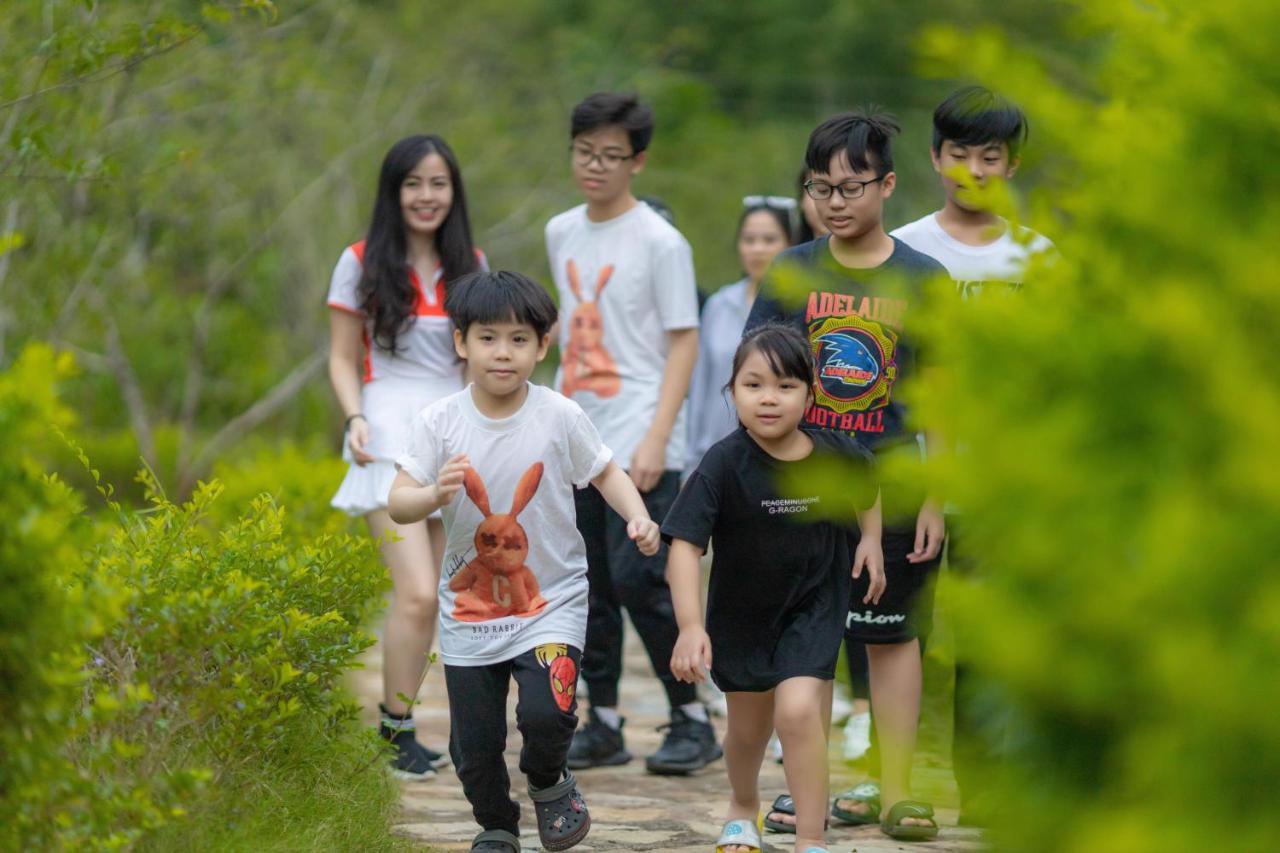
column 346, row 425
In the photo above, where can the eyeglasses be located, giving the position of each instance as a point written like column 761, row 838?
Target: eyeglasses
column 582, row 156
column 821, row 190
column 777, row 202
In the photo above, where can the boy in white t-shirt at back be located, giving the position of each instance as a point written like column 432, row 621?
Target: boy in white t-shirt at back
column 628, row 343
column 975, row 130
column 501, row 459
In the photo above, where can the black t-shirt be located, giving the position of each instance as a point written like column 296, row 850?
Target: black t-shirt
column 855, row 321
column 780, row 571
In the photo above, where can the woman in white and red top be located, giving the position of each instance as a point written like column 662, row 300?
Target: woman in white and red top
column 391, row 354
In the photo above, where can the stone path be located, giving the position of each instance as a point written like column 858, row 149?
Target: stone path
column 632, row 809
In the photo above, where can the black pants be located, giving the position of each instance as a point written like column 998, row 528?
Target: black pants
column 546, row 683
column 621, row 576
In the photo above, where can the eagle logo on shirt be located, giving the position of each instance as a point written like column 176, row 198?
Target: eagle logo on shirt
column 856, row 363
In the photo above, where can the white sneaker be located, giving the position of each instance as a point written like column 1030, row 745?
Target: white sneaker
column 841, row 707
column 857, row 736
column 775, row 748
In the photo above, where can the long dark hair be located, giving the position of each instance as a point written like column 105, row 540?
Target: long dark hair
column 386, row 291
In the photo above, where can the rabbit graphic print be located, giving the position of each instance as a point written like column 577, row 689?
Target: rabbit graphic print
column 496, row 582
column 587, row 364
column 515, row 566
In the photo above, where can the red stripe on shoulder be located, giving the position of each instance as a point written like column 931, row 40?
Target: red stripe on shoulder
column 345, row 309
column 358, row 250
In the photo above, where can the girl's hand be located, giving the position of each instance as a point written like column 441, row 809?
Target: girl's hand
column 930, row 529
column 358, row 440
column 691, row 657
column 449, row 480
column 870, row 556
column 646, row 534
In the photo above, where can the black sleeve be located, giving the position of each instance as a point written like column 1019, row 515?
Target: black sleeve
column 768, row 307
column 693, row 515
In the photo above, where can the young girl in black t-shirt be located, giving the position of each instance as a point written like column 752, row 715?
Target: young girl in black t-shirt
column 780, row 581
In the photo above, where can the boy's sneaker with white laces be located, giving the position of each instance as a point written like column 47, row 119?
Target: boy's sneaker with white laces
column 689, row 746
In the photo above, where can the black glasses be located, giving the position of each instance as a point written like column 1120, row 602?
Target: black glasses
column 821, row 190
column 582, row 155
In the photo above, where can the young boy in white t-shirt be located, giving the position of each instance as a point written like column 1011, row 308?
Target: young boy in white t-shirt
column 501, row 459
column 628, row 343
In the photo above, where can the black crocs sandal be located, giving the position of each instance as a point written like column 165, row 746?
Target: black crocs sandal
column 496, row 841
column 562, row 814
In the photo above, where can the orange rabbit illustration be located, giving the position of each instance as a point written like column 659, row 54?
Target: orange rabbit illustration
column 497, row 582
column 586, row 363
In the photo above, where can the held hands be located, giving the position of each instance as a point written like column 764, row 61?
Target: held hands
column 648, row 462
column 449, row 481
column 870, row 556
column 646, row 534
column 930, row 530
column 358, row 440
column 692, row 655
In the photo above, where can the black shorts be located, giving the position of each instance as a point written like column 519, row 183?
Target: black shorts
column 905, row 611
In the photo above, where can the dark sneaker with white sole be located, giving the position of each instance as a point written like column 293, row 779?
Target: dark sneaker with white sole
column 597, row 745
column 412, row 760
column 689, row 746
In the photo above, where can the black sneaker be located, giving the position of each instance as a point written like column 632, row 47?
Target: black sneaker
column 689, row 745
column 597, row 745
column 413, row 760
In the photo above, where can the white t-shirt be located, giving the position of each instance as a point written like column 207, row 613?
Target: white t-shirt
column 1001, row 261
column 510, row 581
column 425, row 348
column 623, row 285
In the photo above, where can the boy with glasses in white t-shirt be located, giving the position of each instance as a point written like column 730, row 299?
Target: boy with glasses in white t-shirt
column 628, row 343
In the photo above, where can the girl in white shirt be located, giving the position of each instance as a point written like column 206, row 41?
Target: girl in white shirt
column 391, row 354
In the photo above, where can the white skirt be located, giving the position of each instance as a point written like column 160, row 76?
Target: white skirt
column 389, row 404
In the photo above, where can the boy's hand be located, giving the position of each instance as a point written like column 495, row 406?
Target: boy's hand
column 449, row 480
column 646, row 534
column 930, row 530
column 648, row 462
column 358, row 440
column 870, row 556
column 691, row 657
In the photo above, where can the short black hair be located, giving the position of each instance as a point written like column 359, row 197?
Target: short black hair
column 500, row 297
column 603, row 109
column 976, row 115
column 863, row 135
column 786, row 350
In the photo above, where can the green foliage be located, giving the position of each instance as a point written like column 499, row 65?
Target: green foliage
column 185, row 186
column 1118, row 425
column 177, row 665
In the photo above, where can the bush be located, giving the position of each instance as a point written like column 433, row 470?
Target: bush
column 177, row 673
column 1119, row 420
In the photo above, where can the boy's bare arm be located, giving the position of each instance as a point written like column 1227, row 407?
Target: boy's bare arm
column 650, row 458
column 411, row 501
column 620, row 493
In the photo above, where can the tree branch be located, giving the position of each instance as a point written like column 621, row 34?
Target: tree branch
column 103, row 74
column 270, row 403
